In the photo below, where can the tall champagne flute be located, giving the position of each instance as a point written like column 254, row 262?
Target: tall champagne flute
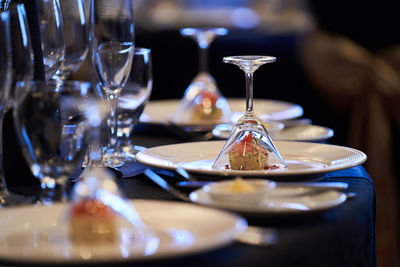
column 52, row 37
column 112, row 52
column 76, row 38
column 53, row 130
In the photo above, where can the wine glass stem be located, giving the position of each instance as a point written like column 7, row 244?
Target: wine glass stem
column 113, row 100
column 203, row 59
column 53, row 190
column 95, row 151
column 249, row 93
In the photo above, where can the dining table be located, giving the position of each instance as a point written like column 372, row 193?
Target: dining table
column 341, row 236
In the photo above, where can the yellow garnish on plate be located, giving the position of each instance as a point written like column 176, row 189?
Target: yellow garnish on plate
column 240, row 186
column 266, row 125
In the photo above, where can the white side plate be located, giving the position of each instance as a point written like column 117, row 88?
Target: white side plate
column 159, row 111
column 282, row 201
column 182, row 229
column 303, row 158
column 293, row 133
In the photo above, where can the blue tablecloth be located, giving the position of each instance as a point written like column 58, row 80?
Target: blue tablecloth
column 342, row 236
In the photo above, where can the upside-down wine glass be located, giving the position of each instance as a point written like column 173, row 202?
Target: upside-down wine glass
column 202, row 102
column 75, row 37
column 52, row 37
column 53, row 130
column 112, row 53
column 249, row 146
column 133, row 100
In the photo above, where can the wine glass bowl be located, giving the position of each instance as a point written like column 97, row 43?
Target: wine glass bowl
column 52, row 37
column 249, row 146
column 113, row 64
column 76, row 37
column 52, row 127
column 15, row 69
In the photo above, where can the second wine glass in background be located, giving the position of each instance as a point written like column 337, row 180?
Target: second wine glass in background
column 202, row 103
column 112, row 30
column 133, row 100
column 76, row 38
column 52, row 37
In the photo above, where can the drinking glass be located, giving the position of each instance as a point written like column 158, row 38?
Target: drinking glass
column 75, row 37
column 5, row 84
column 202, row 101
column 113, row 47
column 52, row 127
column 249, row 146
column 52, row 37
column 16, row 68
column 133, row 100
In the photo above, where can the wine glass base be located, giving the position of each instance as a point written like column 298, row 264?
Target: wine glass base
column 131, row 151
column 114, row 159
column 10, row 199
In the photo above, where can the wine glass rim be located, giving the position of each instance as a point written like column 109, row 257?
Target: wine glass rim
column 189, row 31
column 249, row 58
column 142, row 50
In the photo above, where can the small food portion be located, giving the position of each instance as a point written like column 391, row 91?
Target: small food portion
column 206, row 107
column 240, row 190
column 91, row 221
column 239, row 186
column 248, row 154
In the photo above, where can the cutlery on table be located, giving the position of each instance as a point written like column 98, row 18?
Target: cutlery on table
column 254, row 235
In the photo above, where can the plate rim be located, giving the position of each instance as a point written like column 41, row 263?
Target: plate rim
column 328, row 135
column 239, row 224
column 341, row 198
column 298, row 110
column 228, row 173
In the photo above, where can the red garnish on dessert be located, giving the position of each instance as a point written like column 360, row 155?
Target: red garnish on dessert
column 91, row 221
column 209, row 95
column 92, row 207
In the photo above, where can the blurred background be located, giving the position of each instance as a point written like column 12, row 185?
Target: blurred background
column 340, row 60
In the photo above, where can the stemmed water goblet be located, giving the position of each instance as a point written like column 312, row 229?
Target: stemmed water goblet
column 112, row 47
column 16, row 53
column 53, row 130
column 202, row 102
column 249, row 146
column 52, row 37
column 76, row 38
column 133, row 100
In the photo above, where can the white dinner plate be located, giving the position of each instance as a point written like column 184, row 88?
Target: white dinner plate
column 310, row 133
column 303, row 159
column 159, row 111
column 280, row 201
column 182, row 229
